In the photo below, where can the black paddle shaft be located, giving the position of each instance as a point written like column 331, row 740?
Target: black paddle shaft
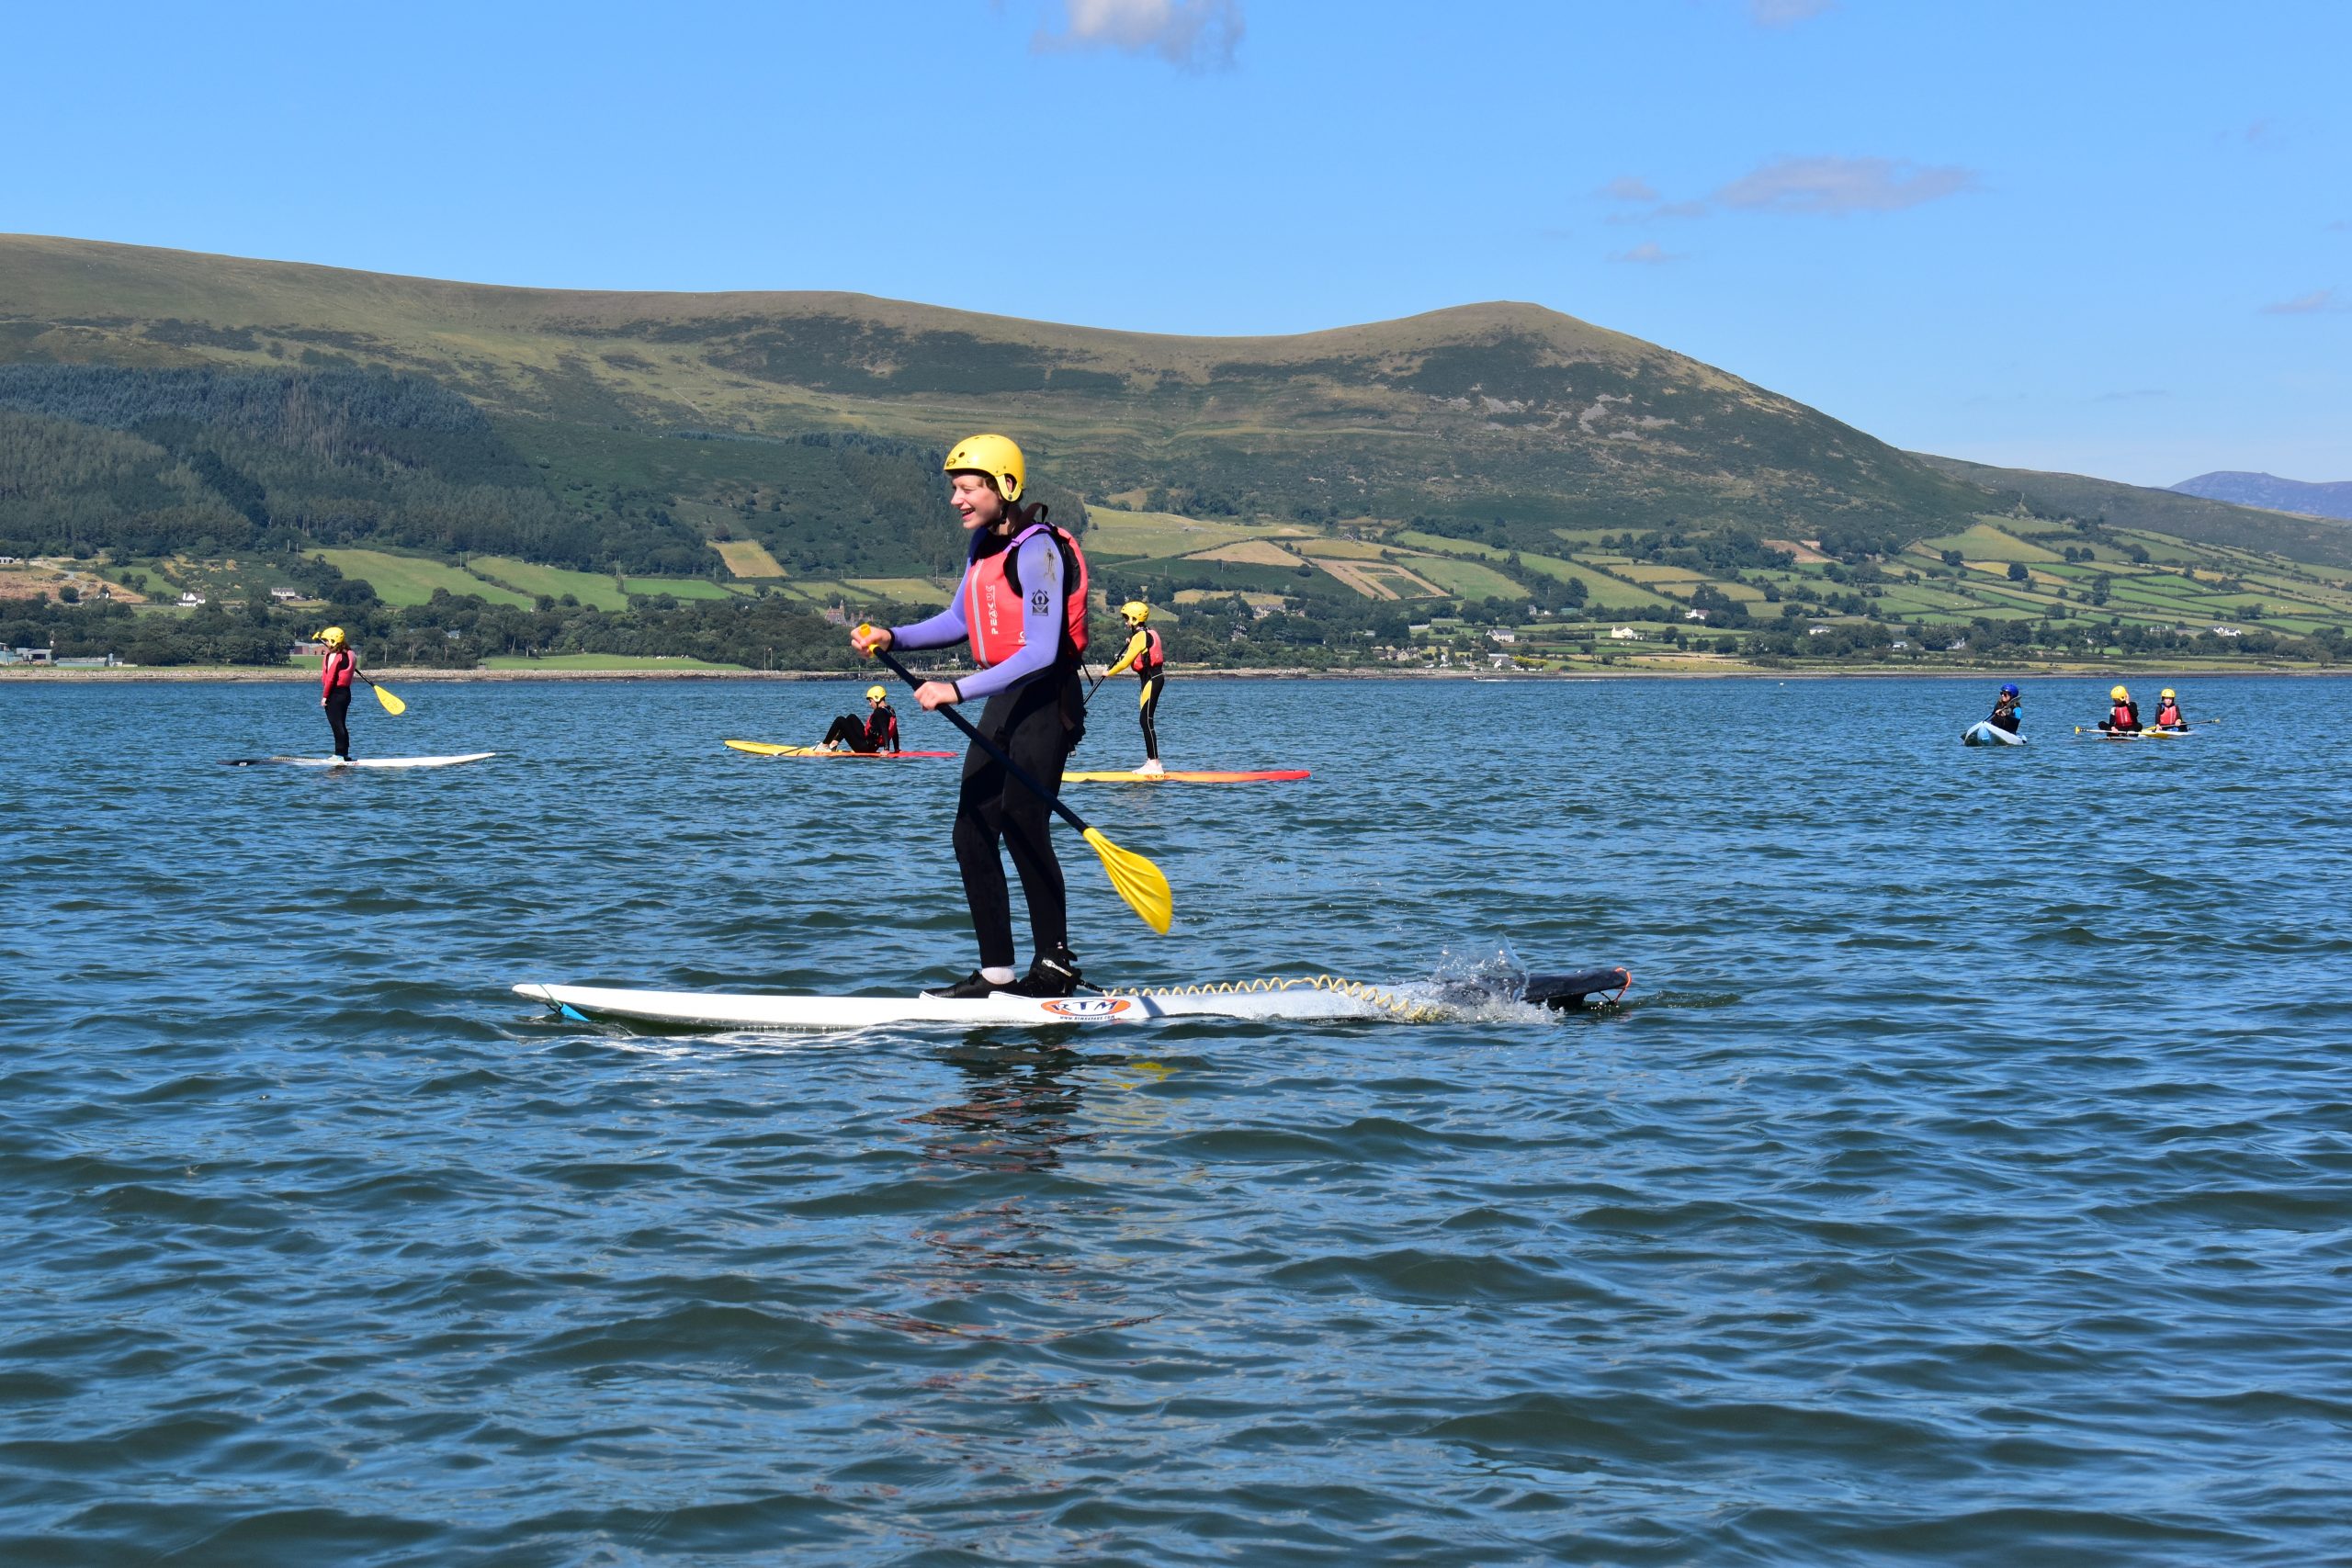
column 985, row 744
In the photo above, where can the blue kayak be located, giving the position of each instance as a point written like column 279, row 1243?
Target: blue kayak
column 1984, row 732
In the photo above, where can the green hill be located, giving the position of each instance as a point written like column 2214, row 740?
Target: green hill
column 464, row 472
column 1485, row 411
column 2104, row 501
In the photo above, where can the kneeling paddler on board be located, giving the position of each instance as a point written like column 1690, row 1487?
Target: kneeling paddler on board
column 1147, row 655
column 1022, row 605
column 2123, row 719
column 877, row 732
column 2004, row 709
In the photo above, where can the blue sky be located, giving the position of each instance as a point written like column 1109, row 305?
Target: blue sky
column 2108, row 238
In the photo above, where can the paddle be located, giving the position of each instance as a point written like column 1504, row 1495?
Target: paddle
column 1139, row 881
column 392, row 705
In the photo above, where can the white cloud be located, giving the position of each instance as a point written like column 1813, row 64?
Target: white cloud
column 1650, row 252
column 1196, row 35
column 2312, row 304
column 1625, row 187
column 1839, row 185
column 1786, row 13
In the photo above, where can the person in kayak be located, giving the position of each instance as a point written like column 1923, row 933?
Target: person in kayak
column 877, row 731
column 335, row 674
column 1021, row 606
column 1147, row 655
column 2004, row 709
column 2124, row 716
column 2168, row 711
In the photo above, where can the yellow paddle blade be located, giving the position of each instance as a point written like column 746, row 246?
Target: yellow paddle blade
column 1139, row 881
column 392, row 705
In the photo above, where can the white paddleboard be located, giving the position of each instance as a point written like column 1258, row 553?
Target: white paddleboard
column 1984, row 732
column 702, row 1009
column 361, row 761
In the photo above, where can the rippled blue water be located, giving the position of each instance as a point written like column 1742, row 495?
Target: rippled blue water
column 1971, row 1181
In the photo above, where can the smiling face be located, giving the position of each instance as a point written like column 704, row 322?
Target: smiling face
column 975, row 500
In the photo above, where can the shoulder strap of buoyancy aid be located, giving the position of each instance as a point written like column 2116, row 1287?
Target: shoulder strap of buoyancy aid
column 1062, row 542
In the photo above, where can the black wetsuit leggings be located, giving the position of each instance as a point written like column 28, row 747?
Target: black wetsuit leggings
column 1037, row 723
column 850, row 729
column 338, row 711
column 1149, row 713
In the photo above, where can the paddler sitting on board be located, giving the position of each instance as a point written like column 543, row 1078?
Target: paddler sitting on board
column 2168, row 711
column 2004, row 709
column 1022, row 605
column 1147, row 657
column 877, row 732
column 2124, row 716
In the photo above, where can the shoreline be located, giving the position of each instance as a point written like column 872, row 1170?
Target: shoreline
column 240, row 674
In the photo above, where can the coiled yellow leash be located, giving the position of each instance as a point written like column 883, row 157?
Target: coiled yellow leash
column 1406, row 1008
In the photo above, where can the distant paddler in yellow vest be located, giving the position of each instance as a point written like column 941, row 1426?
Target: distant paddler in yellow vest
column 1147, row 657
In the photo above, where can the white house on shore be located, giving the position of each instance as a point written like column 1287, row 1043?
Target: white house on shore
column 191, row 599
column 1625, row 634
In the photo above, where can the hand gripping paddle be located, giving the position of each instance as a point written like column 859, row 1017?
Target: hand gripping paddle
column 1139, row 881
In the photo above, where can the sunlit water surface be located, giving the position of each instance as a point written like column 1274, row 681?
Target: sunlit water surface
column 1968, row 1180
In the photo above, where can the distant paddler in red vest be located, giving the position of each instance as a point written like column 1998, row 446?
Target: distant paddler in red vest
column 1022, row 605
column 2168, row 712
column 1147, row 657
column 335, row 675
column 2123, row 719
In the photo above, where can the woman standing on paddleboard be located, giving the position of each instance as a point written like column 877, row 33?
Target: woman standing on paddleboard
column 1147, row 655
column 334, row 687
column 1022, row 605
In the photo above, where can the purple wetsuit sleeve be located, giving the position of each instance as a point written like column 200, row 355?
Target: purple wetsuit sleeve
column 943, row 630
column 1040, row 566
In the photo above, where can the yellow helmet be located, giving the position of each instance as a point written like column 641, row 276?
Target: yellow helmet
column 333, row 636
column 2120, row 695
column 1135, row 610
column 876, row 693
column 2167, row 693
column 994, row 455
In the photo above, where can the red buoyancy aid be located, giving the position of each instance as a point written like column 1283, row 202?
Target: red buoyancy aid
column 992, row 608
column 1155, row 656
column 2169, row 713
column 2125, row 716
column 334, row 671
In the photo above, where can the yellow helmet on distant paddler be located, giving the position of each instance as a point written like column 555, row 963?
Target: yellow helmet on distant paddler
column 2165, row 693
column 2120, row 695
column 333, row 636
column 876, row 693
column 1136, row 611
column 994, row 455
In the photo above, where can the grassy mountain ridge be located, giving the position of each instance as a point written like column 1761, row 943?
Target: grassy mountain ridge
column 2162, row 511
column 2333, row 499
column 1486, row 410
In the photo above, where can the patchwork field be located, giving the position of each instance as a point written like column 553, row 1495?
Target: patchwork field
column 1249, row 552
column 1113, row 534
column 412, row 579
column 1987, row 541
column 748, row 557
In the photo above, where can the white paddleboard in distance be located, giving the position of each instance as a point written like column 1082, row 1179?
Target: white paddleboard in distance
column 704, row 1009
column 361, row 761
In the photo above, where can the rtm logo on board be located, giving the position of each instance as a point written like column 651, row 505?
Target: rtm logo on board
column 1089, row 1007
